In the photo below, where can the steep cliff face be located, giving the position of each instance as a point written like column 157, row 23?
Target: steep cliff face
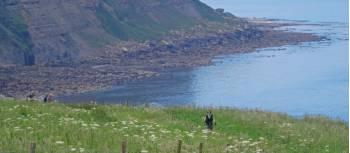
column 15, row 42
column 45, row 31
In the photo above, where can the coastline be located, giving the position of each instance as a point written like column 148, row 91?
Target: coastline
column 148, row 60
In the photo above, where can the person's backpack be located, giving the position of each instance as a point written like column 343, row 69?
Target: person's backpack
column 45, row 98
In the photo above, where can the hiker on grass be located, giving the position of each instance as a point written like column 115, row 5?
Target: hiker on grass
column 30, row 96
column 209, row 120
column 48, row 98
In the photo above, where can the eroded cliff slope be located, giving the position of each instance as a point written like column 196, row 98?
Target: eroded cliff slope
column 47, row 31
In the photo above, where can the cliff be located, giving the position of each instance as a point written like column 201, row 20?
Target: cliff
column 73, row 46
column 36, row 32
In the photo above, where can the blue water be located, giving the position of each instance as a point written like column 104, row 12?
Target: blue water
column 310, row 78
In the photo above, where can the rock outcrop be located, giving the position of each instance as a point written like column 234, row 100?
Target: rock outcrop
column 70, row 30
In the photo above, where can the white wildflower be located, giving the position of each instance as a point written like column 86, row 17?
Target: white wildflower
column 95, row 125
column 205, row 131
column 153, row 137
column 59, row 142
column 245, row 142
column 190, row 135
column 253, row 144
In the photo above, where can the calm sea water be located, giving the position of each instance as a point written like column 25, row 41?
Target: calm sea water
column 310, row 78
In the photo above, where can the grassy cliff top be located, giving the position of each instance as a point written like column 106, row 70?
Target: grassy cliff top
column 101, row 128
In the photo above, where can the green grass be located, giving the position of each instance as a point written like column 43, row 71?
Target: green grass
column 89, row 128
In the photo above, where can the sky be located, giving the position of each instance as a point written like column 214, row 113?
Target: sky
column 312, row 10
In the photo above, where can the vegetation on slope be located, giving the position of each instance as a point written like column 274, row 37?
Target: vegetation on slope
column 13, row 30
column 138, row 20
column 101, row 128
column 14, row 35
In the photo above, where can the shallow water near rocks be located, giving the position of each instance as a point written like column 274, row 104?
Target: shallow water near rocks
column 309, row 78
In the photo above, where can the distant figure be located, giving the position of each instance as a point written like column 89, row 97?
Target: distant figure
column 48, row 98
column 209, row 120
column 31, row 96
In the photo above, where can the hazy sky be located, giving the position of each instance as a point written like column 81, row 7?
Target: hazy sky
column 314, row 10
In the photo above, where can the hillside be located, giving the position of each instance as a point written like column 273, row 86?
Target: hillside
column 102, row 128
column 73, row 46
column 15, row 42
column 43, row 31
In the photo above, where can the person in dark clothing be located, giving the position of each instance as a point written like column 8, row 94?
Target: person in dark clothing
column 31, row 96
column 45, row 98
column 209, row 120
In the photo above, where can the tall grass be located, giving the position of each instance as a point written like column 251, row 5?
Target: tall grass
column 90, row 128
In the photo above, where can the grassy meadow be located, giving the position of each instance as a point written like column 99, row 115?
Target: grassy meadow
column 89, row 128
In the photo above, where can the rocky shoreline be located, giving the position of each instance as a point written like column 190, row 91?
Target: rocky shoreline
column 134, row 60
